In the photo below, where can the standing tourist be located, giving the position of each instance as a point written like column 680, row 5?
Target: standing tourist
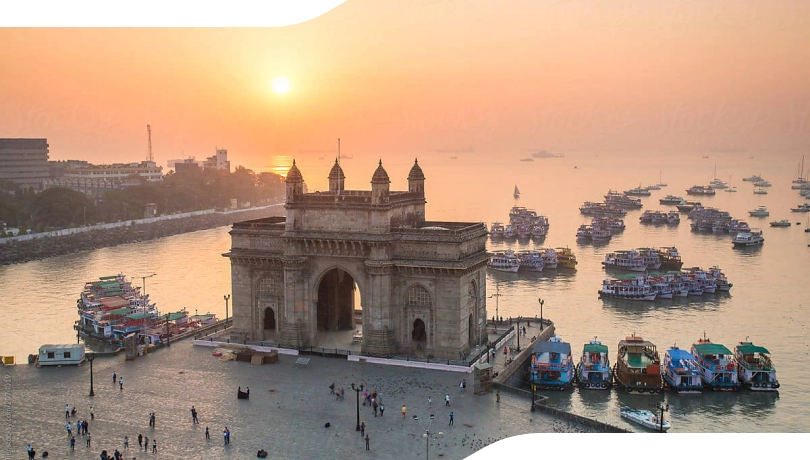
column 67, row 410
column 207, row 434
column 113, row 377
column 367, row 448
column 404, row 411
column 140, row 441
column 120, row 383
column 446, row 400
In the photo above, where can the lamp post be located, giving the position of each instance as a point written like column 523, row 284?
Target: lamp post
column 427, row 433
column 518, row 334
column 90, row 357
column 143, row 294
column 497, row 296
column 227, row 297
column 663, row 408
column 541, row 312
column 534, row 388
column 357, row 391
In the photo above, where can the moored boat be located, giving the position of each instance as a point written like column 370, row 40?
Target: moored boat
column 751, row 238
column 760, row 211
column 496, row 231
column 636, row 288
column 625, row 260
column 637, row 191
column 781, row 223
column 530, row 261
column 552, row 365
column 566, row 258
column 644, row 418
column 593, row 370
column 718, row 369
column 755, row 368
column 804, row 207
column 671, row 199
column 670, row 258
column 701, row 190
column 638, row 366
column 681, row 371
column 505, row 261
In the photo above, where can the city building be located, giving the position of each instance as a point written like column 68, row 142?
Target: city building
column 219, row 161
column 24, row 162
column 421, row 284
column 186, row 166
column 95, row 180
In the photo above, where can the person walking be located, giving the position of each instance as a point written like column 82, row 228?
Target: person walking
column 72, row 443
column 140, row 441
column 461, row 387
column 404, row 410
column 498, row 396
column 114, row 377
column 88, row 439
column 92, row 413
column 447, row 399
column 429, row 401
column 332, row 388
column 367, row 448
column 207, row 434
column 362, row 429
column 375, row 406
column 67, row 410
column 154, row 446
column 69, row 427
column 194, row 415
column 78, row 428
column 30, row 451
column 120, row 383
column 145, row 443
column 382, row 410
column 126, row 442
column 451, row 418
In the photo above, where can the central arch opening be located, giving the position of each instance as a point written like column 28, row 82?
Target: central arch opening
column 336, row 300
column 419, row 335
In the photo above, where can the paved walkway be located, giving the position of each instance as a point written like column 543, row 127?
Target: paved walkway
column 286, row 414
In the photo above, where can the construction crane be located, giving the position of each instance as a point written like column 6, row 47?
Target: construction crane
column 149, row 156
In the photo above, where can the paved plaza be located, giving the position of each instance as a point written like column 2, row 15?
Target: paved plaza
column 288, row 407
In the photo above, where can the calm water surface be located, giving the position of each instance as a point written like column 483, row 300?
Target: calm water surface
column 767, row 303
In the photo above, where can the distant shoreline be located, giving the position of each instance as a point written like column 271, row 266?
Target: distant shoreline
column 43, row 248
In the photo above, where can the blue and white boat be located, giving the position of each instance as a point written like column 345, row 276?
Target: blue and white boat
column 717, row 366
column 593, row 370
column 681, row 371
column 552, row 366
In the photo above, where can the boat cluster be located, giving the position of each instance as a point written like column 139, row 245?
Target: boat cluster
column 112, row 308
column 534, row 260
column 660, row 217
column 639, row 368
column 524, row 224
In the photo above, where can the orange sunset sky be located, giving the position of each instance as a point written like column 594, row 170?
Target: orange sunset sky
column 410, row 78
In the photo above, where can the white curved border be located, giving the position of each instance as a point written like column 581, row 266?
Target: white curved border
column 165, row 13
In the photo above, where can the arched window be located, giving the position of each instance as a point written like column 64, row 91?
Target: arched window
column 418, row 296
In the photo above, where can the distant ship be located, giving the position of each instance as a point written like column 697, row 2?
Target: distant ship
column 526, row 159
column 546, row 154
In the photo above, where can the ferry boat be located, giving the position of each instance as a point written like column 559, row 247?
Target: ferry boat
column 644, row 418
column 584, row 232
column 753, row 178
column 538, row 232
column 611, row 223
column 720, row 279
column 638, row 366
column 593, row 370
column 638, row 191
column 509, row 232
column 781, row 223
column 688, row 206
column 752, row 238
column 650, row 257
column 804, row 207
column 552, row 366
column 681, row 371
column 761, row 211
column 530, row 261
column 636, row 288
column 760, row 191
column 622, row 200
column 600, row 234
column 700, row 190
column 549, row 257
column 737, row 226
column 505, row 261
column 718, row 370
column 625, row 260
column 673, row 218
column 762, row 183
column 496, row 231
column 661, row 286
column 670, row 258
column 566, row 258
column 755, row 369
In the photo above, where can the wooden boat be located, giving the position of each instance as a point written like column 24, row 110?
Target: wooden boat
column 593, row 370
column 755, row 369
column 638, row 366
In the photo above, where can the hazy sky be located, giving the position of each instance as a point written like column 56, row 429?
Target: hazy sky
column 410, row 78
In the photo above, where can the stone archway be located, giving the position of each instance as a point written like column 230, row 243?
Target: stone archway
column 269, row 319
column 335, row 308
column 419, row 335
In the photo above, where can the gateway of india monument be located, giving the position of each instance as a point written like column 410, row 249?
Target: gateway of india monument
column 421, row 284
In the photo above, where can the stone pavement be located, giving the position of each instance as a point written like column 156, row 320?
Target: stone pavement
column 285, row 415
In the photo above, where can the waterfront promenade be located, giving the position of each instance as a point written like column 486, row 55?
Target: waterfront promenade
column 285, row 415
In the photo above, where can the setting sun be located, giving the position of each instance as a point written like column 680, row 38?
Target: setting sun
column 281, row 85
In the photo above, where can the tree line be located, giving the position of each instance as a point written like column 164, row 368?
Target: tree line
column 61, row 207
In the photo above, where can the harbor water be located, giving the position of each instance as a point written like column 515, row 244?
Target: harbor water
column 767, row 304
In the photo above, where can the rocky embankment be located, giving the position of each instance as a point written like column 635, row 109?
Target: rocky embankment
column 41, row 248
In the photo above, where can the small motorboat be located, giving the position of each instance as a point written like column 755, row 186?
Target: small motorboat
column 243, row 394
column 644, row 418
